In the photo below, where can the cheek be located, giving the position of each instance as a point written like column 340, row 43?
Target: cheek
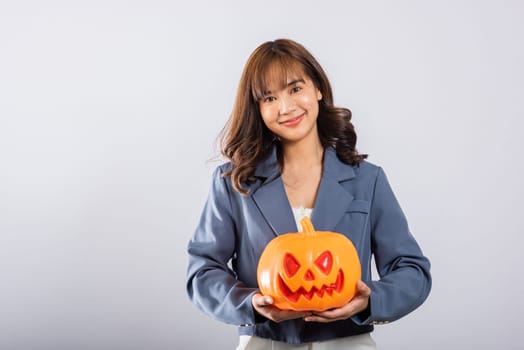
column 314, row 104
column 310, row 103
column 269, row 116
column 265, row 114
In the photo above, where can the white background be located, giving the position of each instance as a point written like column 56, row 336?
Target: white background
column 109, row 113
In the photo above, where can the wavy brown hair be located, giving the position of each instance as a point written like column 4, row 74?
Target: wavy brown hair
column 246, row 140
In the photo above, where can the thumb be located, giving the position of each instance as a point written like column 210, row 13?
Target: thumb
column 363, row 288
column 262, row 300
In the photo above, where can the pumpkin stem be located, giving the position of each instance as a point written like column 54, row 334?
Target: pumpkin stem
column 307, row 226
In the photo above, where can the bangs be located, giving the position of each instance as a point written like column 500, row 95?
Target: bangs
column 274, row 73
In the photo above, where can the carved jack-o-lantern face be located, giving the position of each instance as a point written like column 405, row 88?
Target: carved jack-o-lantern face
column 310, row 270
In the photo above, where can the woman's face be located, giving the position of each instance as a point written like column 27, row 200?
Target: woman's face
column 291, row 111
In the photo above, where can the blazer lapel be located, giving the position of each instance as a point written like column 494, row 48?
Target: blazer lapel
column 272, row 202
column 270, row 197
column 331, row 203
column 332, row 199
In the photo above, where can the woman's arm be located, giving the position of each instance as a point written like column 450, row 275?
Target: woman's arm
column 405, row 280
column 211, row 285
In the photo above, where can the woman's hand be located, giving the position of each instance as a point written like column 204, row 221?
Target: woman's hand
column 357, row 304
column 263, row 304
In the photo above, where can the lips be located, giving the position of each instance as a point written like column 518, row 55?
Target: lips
column 293, row 121
column 301, row 292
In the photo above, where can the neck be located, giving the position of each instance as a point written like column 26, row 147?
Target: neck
column 304, row 154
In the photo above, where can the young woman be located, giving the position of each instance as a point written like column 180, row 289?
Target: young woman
column 292, row 153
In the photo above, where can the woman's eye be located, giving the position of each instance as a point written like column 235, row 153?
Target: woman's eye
column 269, row 99
column 296, row 89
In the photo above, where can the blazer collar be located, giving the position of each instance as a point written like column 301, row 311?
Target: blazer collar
column 268, row 169
column 332, row 198
column 335, row 168
column 330, row 205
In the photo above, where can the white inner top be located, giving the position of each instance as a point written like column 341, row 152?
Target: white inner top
column 299, row 213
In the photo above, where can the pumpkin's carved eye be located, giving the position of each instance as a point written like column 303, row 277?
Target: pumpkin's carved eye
column 291, row 265
column 325, row 262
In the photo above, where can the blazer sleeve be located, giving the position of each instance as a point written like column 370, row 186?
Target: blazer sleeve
column 405, row 280
column 211, row 285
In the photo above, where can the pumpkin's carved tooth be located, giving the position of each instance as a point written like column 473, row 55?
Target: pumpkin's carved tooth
column 308, row 295
column 286, row 292
column 340, row 281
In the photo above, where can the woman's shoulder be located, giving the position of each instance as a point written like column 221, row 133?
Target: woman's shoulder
column 219, row 165
column 224, row 167
column 367, row 169
column 367, row 166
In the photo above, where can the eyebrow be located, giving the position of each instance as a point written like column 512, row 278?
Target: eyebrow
column 291, row 83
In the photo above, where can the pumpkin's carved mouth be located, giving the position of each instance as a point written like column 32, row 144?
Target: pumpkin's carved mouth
column 294, row 296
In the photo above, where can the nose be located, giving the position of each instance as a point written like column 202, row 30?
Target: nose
column 309, row 276
column 287, row 105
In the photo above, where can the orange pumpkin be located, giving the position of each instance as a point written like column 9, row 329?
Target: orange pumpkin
column 309, row 270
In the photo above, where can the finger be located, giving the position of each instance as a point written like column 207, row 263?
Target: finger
column 289, row 315
column 363, row 288
column 301, row 314
column 279, row 315
column 262, row 300
column 267, row 300
column 316, row 318
column 329, row 314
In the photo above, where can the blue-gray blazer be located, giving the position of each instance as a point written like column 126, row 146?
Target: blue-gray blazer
column 356, row 201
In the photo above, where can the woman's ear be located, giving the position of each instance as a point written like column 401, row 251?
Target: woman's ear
column 319, row 95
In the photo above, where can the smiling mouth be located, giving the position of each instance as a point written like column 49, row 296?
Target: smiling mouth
column 301, row 292
column 293, row 121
